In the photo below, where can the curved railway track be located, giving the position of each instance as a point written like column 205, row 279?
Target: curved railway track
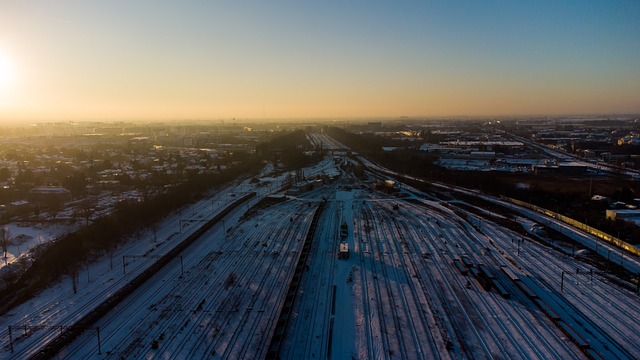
column 579, row 299
column 502, row 241
column 522, row 341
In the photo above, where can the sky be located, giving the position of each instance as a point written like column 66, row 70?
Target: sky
column 190, row 59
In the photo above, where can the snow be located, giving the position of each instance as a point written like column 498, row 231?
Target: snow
column 235, row 281
column 398, row 295
column 97, row 280
column 28, row 235
column 344, row 329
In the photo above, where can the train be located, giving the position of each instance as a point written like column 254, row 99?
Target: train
column 343, row 252
column 277, row 332
column 344, row 231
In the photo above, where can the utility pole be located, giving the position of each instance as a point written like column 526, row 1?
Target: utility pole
column 10, row 339
column 99, row 347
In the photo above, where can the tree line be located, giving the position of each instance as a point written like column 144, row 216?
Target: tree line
column 65, row 255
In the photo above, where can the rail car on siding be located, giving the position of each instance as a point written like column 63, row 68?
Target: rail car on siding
column 343, row 252
column 344, row 231
column 510, row 274
column 527, row 290
column 488, row 281
column 463, row 270
column 465, row 260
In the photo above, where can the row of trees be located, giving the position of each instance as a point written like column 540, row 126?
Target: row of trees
column 290, row 149
column 102, row 237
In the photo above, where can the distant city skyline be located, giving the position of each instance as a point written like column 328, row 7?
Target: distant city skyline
column 162, row 60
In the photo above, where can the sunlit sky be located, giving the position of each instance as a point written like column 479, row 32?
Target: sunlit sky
column 101, row 60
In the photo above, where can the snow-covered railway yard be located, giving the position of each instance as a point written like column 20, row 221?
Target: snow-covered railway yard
column 423, row 279
column 224, row 304
column 399, row 294
column 27, row 328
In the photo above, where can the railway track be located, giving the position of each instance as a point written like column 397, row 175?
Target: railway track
column 254, row 268
column 38, row 338
column 411, row 298
column 491, row 256
column 80, row 325
column 314, row 302
column 502, row 242
column 51, row 311
column 374, row 294
column 581, row 298
column 373, row 347
column 410, row 272
column 516, row 317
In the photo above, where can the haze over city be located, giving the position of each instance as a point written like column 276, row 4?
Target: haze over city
column 159, row 60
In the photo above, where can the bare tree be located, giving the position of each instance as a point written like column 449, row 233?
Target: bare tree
column 87, row 208
column 5, row 240
column 55, row 205
column 154, row 228
column 73, row 271
column 111, row 250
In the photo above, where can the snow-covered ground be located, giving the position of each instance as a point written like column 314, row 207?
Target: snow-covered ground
column 26, row 235
column 398, row 295
column 40, row 318
column 58, row 305
column 222, row 305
